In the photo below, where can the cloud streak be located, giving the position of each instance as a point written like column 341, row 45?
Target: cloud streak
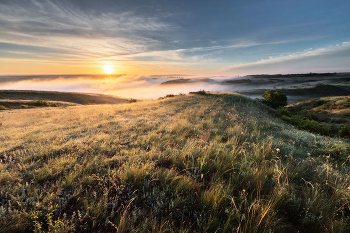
column 68, row 31
column 152, row 35
column 325, row 59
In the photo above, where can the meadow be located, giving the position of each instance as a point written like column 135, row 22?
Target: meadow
column 217, row 162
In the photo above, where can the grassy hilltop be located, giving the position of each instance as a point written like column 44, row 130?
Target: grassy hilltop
column 188, row 163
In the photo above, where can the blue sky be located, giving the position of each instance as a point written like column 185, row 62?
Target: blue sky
column 174, row 37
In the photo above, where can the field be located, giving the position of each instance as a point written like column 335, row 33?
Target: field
column 215, row 162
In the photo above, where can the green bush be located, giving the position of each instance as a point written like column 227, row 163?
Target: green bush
column 301, row 121
column 285, row 118
column 344, row 130
column 314, row 126
column 282, row 112
column 40, row 103
column 275, row 99
column 310, row 115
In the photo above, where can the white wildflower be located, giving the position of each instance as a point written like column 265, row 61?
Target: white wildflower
column 277, row 149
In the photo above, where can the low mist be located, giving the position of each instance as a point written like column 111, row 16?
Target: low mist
column 129, row 86
column 151, row 87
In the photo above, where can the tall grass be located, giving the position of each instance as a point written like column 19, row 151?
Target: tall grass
column 190, row 163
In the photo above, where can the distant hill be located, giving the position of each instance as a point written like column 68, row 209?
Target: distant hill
column 304, row 93
column 296, row 75
column 72, row 97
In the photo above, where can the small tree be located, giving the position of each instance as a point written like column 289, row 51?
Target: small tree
column 275, row 99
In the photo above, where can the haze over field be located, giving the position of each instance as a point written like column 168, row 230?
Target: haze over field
column 150, row 87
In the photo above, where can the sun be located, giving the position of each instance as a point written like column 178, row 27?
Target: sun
column 108, row 69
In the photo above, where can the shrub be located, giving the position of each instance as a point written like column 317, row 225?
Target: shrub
column 40, row 103
column 132, row 100
column 310, row 115
column 169, row 95
column 200, row 92
column 285, row 118
column 282, row 112
column 344, row 130
column 54, row 105
column 275, row 99
column 314, row 126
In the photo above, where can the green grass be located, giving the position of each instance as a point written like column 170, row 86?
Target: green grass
column 326, row 116
column 190, row 163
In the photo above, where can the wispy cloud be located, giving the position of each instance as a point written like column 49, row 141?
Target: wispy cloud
column 325, row 59
column 190, row 54
column 59, row 25
column 70, row 34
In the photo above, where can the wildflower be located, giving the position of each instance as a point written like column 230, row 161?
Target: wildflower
column 286, row 156
column 308, row 154
column 328, row 156
column 277, row 149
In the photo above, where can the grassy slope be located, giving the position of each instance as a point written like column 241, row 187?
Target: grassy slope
column 192, row 163
column 333, row 112
column 72, row 97
column 331, row 109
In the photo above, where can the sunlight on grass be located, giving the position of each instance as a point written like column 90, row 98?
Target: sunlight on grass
column 189, row 163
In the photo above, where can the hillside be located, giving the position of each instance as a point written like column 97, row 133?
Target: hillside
column 190, row 163
column 56, row 96
column 327, row 115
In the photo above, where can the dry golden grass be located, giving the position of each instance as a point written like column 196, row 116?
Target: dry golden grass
column 189, row 163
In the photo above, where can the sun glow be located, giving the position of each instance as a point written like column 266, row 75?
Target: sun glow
column 108, row 69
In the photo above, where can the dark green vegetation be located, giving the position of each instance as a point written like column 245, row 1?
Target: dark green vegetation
column 274, row 99
column 305, row 75
column 320, row 90
column 334, row 87
column 326, row 116
column 20, row 104
column 190, row 163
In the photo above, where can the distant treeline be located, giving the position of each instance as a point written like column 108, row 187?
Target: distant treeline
column 292, row 75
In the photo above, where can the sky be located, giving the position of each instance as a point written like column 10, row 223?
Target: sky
column 161, row 37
